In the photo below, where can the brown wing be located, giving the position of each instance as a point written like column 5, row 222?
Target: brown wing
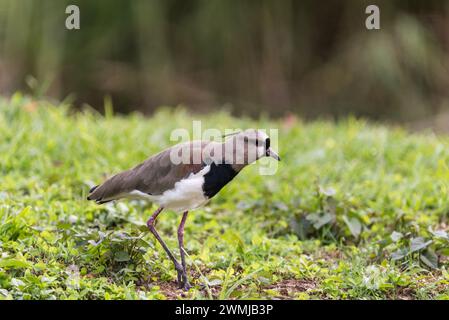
column 154, row 176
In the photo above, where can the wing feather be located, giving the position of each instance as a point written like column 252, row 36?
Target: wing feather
column 154, row 176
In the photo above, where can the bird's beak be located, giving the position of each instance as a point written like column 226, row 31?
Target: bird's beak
column 274, row 155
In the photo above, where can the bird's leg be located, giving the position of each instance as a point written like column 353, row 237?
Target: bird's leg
column 150, row 224
column 185, row 282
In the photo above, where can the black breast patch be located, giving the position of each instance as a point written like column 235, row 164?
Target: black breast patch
column 217, row 177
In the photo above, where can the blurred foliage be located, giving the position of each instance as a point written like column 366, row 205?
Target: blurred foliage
column 355, row 211
column 277, row 57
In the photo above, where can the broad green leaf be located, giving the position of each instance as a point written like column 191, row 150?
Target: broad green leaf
column 14, row 263
column 396, row 236
column 418, row 243
column 440, row 234
column 354, row 225
column 430, row 259
column 121, row 256
column 319, row 220
column 399, row 254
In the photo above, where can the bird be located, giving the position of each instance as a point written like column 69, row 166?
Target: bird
column 185, row 177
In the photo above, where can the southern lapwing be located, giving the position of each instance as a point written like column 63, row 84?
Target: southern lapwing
column 185, row 177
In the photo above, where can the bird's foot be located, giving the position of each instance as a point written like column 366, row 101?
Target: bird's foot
column 183, row 282
column 186, row 285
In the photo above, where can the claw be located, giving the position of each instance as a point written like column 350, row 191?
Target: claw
column 186, row 286
column 184, row 283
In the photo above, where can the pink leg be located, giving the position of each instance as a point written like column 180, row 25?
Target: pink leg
column 185, row 282
column 150, row 225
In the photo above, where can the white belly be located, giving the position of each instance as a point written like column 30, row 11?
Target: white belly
column 187, row 194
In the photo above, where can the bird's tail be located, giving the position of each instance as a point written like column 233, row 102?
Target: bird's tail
column 92, row 190
column 92, row 195
column 96, row 196
column 109, row 190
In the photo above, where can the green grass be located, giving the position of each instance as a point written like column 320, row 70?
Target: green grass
column 355, row 211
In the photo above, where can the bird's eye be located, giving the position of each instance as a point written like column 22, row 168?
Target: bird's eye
column 267, row 143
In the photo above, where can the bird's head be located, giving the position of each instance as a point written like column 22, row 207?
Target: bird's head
column 251, row 145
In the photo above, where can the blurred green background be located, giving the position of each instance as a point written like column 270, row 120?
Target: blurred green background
column 310, row 58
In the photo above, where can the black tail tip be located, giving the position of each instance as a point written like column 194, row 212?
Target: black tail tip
column 90, row 191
